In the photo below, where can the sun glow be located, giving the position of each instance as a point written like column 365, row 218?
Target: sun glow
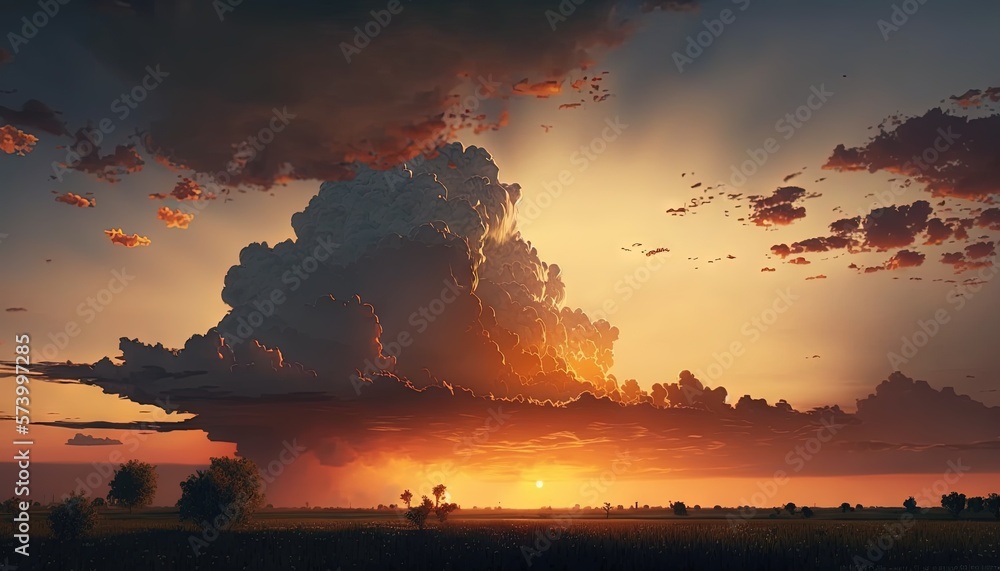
column 539, row 484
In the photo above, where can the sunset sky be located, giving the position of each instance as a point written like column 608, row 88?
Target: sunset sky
column 529, row 280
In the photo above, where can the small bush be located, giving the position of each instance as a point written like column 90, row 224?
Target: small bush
column 73, row 518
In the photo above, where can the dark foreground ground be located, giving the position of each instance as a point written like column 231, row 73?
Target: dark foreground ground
column 330, row 540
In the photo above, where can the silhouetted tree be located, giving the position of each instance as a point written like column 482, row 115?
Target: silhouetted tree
column 845, row 507
column 607, row 509
column 777, row 511
column 228, row 489
column 133, row 485
column 680, row 508
column 992, row 504
column 407, row 497
column 438, row 492
column 953, row 502
column 976, row 504
column 790, row 508
column 807, row 512
column 418, row 514
column 444, row 509
column 72, row 519
column 10, row 505
column 98, row 502
column 910, row 504
column 859, row 507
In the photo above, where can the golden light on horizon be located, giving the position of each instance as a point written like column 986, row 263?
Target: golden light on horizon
column 539, row 484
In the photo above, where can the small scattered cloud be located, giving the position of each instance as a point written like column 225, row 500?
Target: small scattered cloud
column 14, row 141
column 174, row 218
column 81, row 439
column 185, row 189
column 76, row 200
column 118, row 236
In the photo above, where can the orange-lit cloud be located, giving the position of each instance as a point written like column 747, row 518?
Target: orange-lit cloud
column 117, row 236
column 949, row 154
column 541, row 89
column 977, row 97
column 76, row 200
column 108, row 168
column 357, row 370
column 174, row 218
column 14, row 141
column 299, row 110
column 185, row 189
column 778, row 209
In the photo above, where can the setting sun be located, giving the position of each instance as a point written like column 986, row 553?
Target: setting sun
column 539, row 484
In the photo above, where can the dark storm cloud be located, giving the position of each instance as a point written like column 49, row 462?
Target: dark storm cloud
column 952, row 156
column 35, row 115
column 350, row 82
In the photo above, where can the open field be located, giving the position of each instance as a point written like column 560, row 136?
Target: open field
column 513, row 539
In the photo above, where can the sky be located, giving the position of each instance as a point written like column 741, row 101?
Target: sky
column 600, row 224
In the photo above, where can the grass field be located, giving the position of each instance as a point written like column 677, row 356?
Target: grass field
column 360, row 539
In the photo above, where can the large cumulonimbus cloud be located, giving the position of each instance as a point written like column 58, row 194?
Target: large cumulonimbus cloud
column 458, row 294
column 408, row 307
